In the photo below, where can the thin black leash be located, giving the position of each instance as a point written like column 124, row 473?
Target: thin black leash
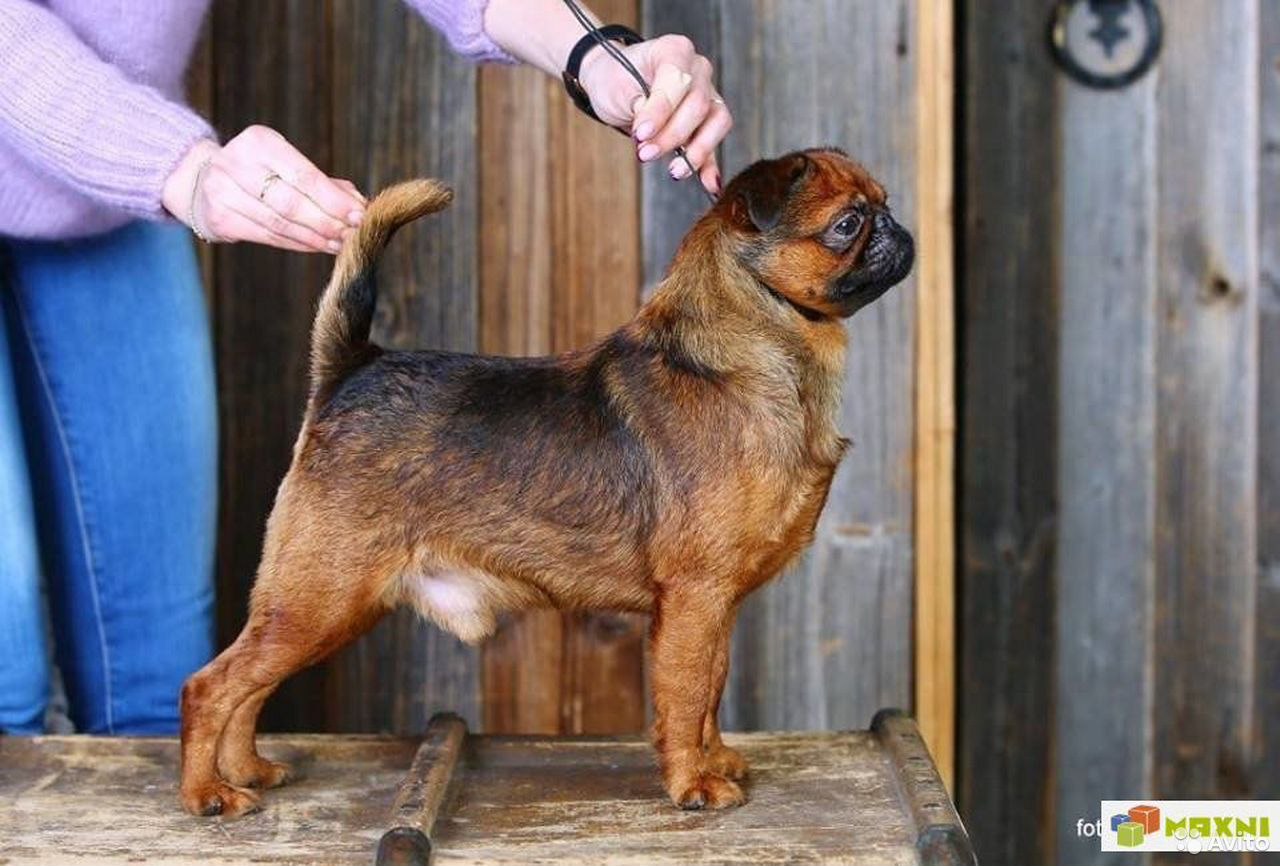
column 614, row 52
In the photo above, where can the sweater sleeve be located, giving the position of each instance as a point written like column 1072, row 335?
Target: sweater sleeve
column 80, row 120
column 462, row 23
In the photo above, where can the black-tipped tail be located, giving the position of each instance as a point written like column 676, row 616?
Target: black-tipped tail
column 340, row 335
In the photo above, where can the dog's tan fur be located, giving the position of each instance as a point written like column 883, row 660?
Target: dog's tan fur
column 671, row 468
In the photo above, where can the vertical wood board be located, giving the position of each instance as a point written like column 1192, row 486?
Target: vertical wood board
column 548, row 672
column 409, row 110
column 1106, row 455
column 830, row 642
column 1206, row 542
column 264, row 56
column 935, row 488
column 1008, row 494
column 1267, row 676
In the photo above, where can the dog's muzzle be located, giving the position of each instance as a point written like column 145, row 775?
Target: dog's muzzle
column 886, row 261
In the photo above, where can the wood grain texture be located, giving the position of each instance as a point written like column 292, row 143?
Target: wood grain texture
column 935, row 487
column 1008, row 496
column 857, row 798
column 669, row 209
column 595, row 278
column 1267, row 702
column 409, row 110
column 829, row 643
column 560, row 269
column 55, row 793
column 264, row 55
column 1106, row 456
column 1206, row 543
column 522, row 663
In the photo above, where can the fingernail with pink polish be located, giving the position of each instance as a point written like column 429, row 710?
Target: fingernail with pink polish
column 355, row 217
column 334, row 246
column 644, row 131
column 647, row 152
column 679, row 170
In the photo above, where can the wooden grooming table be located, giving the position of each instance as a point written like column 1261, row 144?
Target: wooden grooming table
column 861, row 798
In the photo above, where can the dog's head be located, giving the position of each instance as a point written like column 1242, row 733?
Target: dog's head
column 814, row 228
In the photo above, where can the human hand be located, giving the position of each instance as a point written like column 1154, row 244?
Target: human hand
column 259, row 188
column 683, row 108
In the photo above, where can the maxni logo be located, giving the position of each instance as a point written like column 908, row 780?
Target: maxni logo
column 1133, row 827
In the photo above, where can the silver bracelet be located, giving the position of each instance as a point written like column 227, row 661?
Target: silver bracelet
column 191, row 209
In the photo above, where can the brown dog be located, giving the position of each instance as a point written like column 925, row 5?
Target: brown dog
column 672, row 468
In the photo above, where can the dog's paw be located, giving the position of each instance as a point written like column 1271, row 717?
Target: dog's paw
column 256, row 772
column 727, row 762
column 707, row 791
column 219, row 798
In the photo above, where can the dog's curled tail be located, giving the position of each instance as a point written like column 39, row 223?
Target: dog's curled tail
column 340, row 335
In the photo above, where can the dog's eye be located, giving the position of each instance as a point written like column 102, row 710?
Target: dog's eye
column 849, row 226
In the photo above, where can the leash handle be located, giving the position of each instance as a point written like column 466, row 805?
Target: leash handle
column 613, row 51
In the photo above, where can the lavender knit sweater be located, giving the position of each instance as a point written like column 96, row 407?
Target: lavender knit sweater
column 91, row 113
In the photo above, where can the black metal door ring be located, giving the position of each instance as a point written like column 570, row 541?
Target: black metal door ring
column 1084, row 36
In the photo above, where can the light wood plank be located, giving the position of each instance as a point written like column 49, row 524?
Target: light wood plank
column 523, row 661
column 595, row 232
column 1106, row 458
column 935, row 488
column 1206, row 544
column 830, row 642
column 561, row 270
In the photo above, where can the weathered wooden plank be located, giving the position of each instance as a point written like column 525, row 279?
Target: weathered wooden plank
column 1008, row 493
column 1207, row 434
column 565, row 258
column 409, row 109
column 863, row 797
column 1106, row 457
column 1267, row 707
column 595, row 274
column 668, row 208
column 522, row 662
column 82, row 800
column 935, row 485
column 264, row 56
column 515, row 202
column 830, row 642
column 816, row 798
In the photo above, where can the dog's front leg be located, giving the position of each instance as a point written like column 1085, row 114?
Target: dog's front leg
column 684, row 642
column 721, row 759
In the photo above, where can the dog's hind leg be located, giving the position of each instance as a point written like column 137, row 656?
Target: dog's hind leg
column 300, row 612
column 683, row 646
column 238, row 759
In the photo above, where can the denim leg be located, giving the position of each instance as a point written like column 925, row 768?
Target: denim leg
column 116, row 374
column 24, row 667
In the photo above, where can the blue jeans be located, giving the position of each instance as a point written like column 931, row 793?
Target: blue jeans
column 108, row 452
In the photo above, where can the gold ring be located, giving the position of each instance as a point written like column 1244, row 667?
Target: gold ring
column 266, row 185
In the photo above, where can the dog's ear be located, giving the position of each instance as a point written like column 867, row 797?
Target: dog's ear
column 765, row 188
